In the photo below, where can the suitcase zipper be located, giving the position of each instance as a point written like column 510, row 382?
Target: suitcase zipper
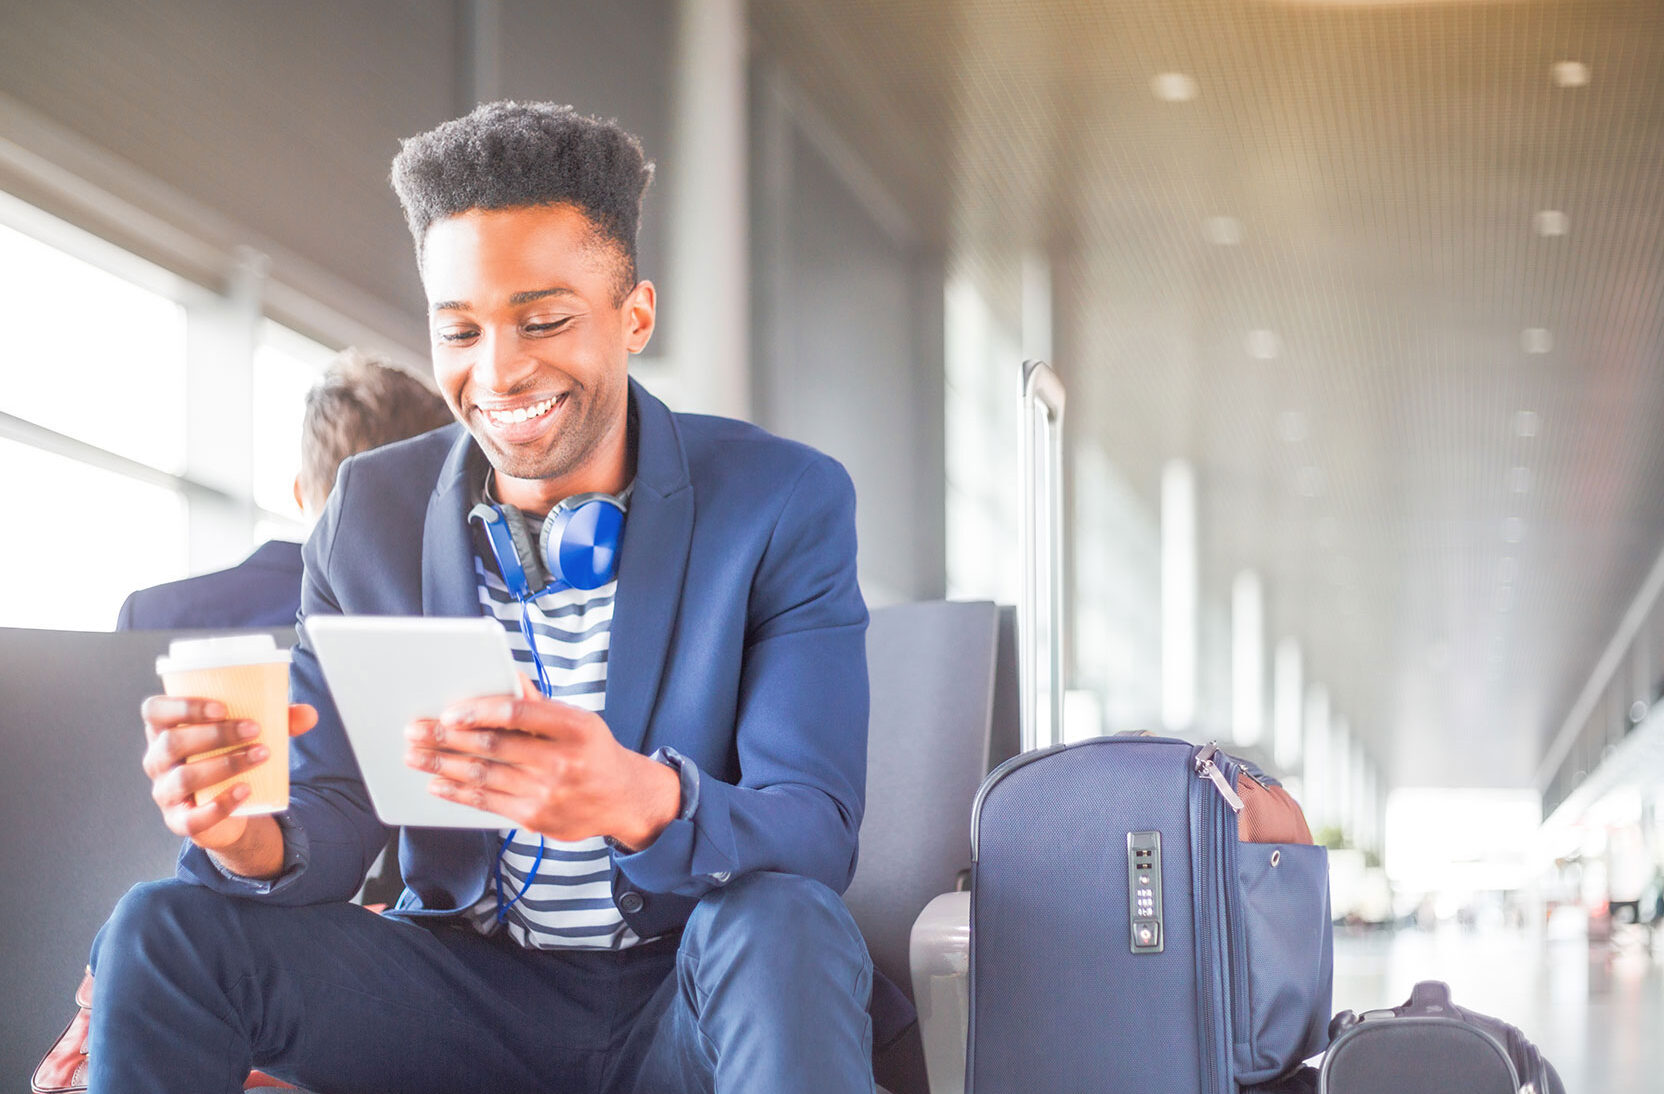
column 1213, row 934
column 1207, row 769
column 1235, row 947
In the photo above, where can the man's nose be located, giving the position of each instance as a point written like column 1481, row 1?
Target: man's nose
column 502, row 363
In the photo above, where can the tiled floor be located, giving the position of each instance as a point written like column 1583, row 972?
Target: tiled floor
column 1596, row 1010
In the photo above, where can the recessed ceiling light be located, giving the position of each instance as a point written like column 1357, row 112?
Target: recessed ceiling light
column 1291, row 426
column 1308, row 481
column 1508, row 569
column 1551, row 222
column 1174, row 87
column 1519, row 480
column 1536, row 340
column 1526, row 423
column 1513, row 530
column 1505, row 598
column 1262, row 345
column 1222, row 231
column 1570, row 73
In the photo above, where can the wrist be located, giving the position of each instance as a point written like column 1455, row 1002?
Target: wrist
column 657, row 803
column 257, row 854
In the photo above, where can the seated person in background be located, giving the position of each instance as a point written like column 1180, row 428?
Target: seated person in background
column 685, row 783
column 361, row 402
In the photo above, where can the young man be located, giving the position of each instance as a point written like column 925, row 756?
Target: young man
column 360, row 403
column 664, row 917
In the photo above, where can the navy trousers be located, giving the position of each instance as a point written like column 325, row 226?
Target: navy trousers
column 766, row 990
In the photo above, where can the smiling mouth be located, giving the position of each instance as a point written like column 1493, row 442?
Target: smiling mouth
column 523, row 413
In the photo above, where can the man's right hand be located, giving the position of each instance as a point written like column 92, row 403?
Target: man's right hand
column 181, row 729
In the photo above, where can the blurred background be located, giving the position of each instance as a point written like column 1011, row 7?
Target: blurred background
column 1359, row 306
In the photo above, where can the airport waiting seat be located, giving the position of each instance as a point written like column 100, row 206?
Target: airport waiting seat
column 932, row 736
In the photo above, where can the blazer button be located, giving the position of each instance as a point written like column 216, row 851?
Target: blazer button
column 722, row 877
column 630, row 903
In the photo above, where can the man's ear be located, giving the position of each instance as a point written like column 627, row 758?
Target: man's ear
column 300, row 499
column 639, row 315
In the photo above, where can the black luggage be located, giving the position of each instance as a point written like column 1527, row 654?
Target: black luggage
column 1431, row 1046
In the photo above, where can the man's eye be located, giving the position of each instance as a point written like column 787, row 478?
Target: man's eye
column 547, row 328
column 454, row 336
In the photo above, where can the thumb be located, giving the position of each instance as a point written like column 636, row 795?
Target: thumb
column 528, row 687
column 302, row 717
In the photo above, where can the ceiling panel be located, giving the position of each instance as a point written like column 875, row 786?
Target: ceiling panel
column 1427, row 413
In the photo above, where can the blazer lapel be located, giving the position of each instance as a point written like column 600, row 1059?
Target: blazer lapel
column 652, row 564
column 448, row 584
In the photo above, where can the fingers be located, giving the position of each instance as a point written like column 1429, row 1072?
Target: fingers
column 469, row 770
column 534, row 715
column 190, row 821
column 174, row 746
column 171, row 788
column 162, row 711
column 481, row 797
column 502, row 745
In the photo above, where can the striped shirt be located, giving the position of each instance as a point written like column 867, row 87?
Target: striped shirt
column 568, row 904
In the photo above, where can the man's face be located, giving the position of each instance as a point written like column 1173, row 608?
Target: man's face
column 531, row 347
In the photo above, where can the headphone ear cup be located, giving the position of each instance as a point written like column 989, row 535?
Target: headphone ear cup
column 537, row 575
column 579, row 542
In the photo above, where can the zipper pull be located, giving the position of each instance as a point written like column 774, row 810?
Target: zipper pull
column 1206, row 769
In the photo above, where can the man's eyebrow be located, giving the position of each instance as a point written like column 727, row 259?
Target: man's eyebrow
column 539, row 294
column 514, row 300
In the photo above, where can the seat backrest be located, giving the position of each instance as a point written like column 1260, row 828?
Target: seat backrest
column 76, row 818
column 932, row 671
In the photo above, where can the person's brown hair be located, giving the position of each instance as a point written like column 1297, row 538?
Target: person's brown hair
column 362, row 402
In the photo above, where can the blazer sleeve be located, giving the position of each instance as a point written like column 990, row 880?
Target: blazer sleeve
column 331, row 834
column 801, row 728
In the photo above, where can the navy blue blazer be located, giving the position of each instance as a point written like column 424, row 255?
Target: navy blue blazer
column 261, row 591
column 738, row 639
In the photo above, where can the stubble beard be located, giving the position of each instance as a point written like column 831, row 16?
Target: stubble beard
column 566, row 451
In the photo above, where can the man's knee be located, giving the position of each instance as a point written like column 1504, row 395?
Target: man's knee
column 791, row 918
column 163, row 918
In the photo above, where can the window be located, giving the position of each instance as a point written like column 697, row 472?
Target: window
column 982, row 417
column 69, row 567
column 105, row 486
column 91, row 355
column 286, row 365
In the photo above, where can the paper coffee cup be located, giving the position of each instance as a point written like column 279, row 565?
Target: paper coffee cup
column 250, row 675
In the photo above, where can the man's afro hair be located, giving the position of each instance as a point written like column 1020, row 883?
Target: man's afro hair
column 509, row 155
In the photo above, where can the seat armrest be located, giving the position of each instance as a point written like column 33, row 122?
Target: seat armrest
column 939, row 952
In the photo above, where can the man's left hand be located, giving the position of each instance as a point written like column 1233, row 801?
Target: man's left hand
column 550, row 767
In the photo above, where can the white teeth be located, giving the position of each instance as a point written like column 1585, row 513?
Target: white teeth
column 522, row 414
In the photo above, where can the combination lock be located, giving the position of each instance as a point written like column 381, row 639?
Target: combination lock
column 1144, row 891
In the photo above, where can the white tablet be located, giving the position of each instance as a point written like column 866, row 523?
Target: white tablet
column 385, row 672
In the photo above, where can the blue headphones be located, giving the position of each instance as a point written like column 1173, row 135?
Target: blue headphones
column 576, row 548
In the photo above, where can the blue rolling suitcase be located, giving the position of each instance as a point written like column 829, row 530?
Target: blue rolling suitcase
column 1124, row 939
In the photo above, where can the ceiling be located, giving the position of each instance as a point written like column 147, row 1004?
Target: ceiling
column 1392, row 286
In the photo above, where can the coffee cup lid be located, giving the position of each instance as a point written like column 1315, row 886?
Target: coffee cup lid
column 185, row 654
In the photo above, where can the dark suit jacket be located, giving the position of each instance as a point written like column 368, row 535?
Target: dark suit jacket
column 738, row 639
column 261, row 591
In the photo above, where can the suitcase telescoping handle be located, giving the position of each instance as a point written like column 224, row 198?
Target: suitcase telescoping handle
column 1040, row 607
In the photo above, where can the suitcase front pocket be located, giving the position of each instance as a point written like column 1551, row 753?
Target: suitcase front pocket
column 1281, row 914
